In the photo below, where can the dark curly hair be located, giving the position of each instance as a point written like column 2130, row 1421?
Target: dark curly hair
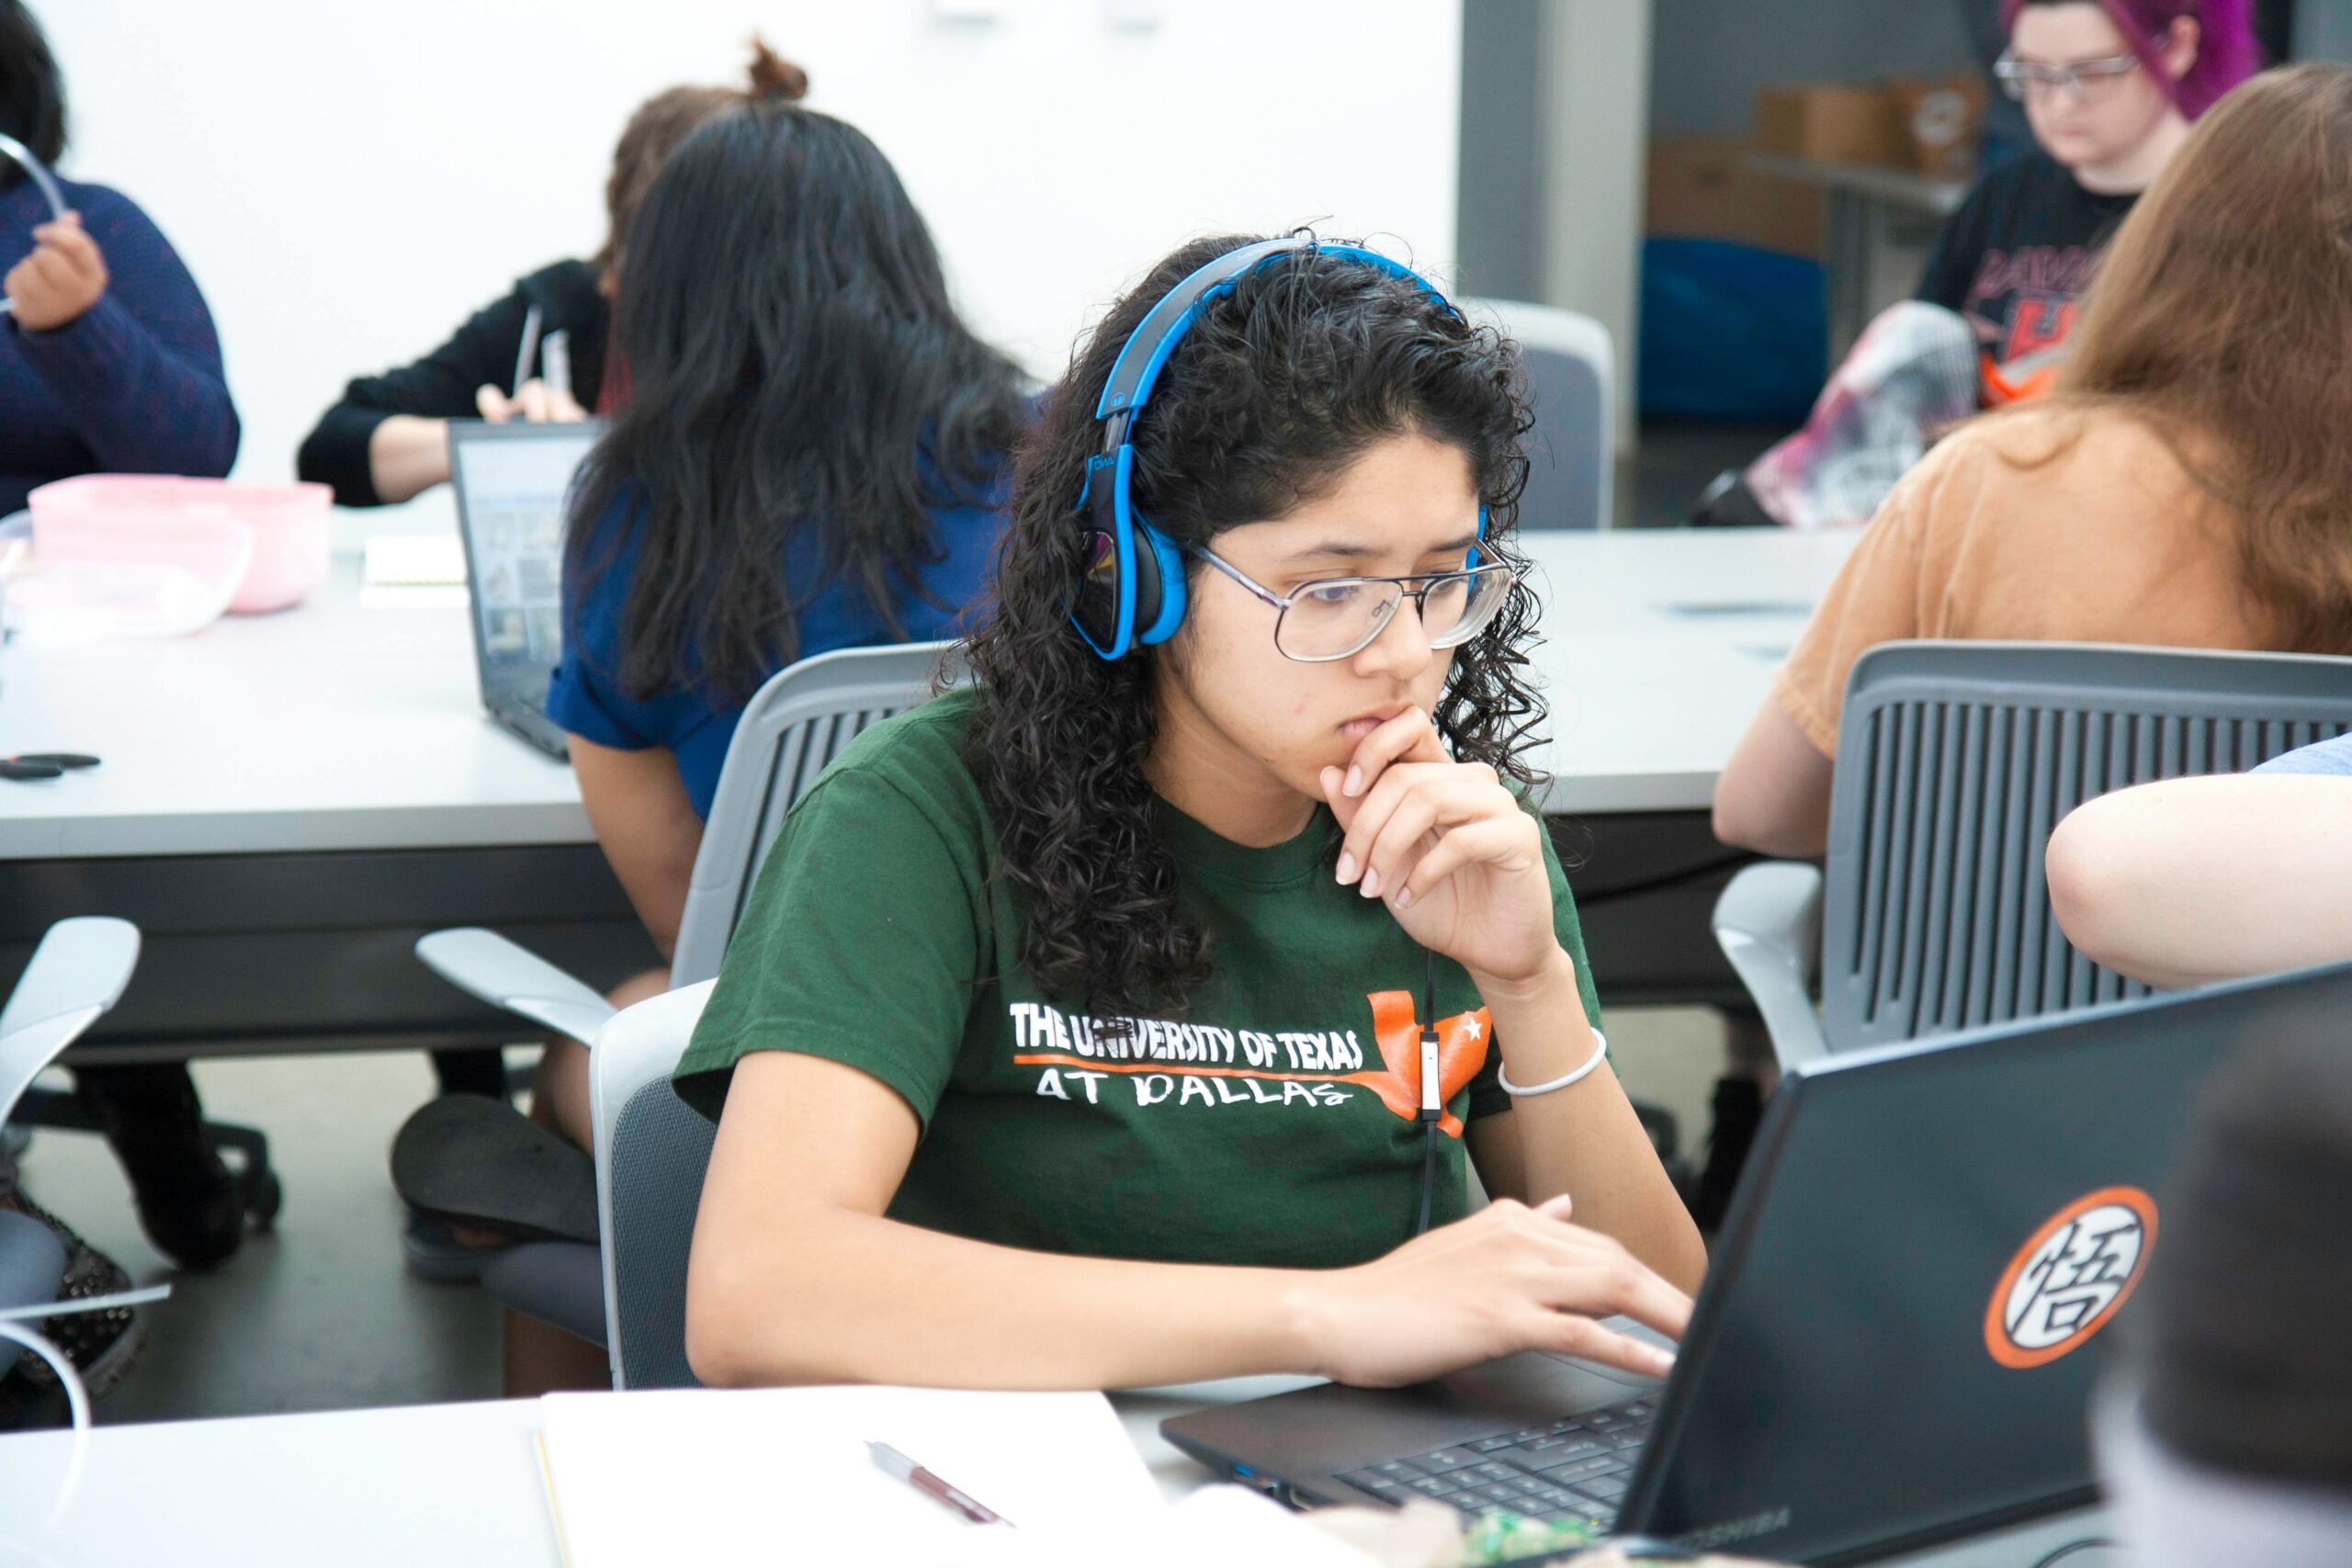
column 1274, row 390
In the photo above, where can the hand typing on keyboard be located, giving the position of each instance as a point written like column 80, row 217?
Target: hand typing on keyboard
column 1507, row 1279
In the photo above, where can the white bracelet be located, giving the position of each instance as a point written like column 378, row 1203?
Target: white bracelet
column 1599, row 1055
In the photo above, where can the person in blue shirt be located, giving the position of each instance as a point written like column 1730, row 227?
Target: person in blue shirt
column 812, row 457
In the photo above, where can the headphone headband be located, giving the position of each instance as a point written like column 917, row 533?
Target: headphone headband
column 1138, row 368
column 1132, row 589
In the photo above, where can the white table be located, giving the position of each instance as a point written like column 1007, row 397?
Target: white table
column 1660, row 644
column 328, row 726
column 452, row 1485
column 288, row 801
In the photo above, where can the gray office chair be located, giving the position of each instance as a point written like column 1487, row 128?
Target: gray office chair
column 75, row 975
column 792, row 729
column 650, row 1153
column 1955, row 760
column 1572, row 450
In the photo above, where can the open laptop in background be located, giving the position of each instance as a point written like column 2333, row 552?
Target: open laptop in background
column 1889, row 1349
column 511, row 482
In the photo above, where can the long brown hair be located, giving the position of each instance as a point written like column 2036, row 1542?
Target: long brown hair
column 668, row 117
column 2221, row 317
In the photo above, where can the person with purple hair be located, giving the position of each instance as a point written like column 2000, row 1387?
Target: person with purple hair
column 2110, row 88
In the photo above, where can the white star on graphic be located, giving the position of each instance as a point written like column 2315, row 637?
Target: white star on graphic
column 1475, row 1028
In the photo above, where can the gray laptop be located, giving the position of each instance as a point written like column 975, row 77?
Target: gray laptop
column 511, row 482
column 1899, row 1334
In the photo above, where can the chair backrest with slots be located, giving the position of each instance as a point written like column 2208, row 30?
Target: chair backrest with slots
column 651, row 1149
column 1956, row 759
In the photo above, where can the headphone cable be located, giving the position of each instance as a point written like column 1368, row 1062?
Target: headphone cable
column 1432, row 1107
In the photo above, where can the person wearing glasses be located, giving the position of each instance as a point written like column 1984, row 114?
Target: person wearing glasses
column 2110, row 88
column 1072, row 1035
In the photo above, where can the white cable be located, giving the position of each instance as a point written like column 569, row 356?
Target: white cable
column 38, row 1311
column 1574, row 1075
column 77, row 1394
column 13, row 149
column 77, row 1404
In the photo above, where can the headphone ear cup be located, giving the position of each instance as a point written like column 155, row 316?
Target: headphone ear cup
column 1159, row 562
column 1098, row 608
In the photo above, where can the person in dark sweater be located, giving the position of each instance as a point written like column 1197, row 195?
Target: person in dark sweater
column 2110, row 88
column 108, row 362
column 387, row 440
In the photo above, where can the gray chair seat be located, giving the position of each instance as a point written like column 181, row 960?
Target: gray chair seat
column 649, row 1162
column 561, row 1282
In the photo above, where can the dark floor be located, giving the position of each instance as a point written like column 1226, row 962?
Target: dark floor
column 1677, row 459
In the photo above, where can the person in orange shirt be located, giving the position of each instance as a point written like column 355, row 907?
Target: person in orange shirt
column 2186, row 484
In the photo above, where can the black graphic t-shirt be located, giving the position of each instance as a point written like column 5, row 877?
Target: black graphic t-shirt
column 2016, row 258
column 1272, row 1125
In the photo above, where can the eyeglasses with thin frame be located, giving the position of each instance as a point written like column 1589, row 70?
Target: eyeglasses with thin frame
column 1338, row 617
column 2081, row 80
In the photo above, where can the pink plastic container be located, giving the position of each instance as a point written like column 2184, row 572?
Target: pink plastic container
column 170, row 521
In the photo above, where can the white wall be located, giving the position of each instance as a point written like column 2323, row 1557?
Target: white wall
column 349, row 179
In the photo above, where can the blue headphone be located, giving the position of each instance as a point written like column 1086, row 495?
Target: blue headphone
column 1131, row 590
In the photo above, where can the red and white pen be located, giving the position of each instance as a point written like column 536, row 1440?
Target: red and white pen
column 921, row 1480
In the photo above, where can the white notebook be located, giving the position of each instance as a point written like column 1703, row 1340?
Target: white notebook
column 784, row 1475
column 413, row 572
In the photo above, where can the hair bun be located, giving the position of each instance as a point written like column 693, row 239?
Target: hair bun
column 773, row 76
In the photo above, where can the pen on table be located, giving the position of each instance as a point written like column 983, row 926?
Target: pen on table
column 921, row 1480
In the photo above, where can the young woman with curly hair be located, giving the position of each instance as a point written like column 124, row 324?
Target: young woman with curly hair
column 1072, row 1036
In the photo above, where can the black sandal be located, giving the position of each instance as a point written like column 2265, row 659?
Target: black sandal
column 466, row 1160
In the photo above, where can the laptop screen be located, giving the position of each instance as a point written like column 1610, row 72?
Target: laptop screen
column 1920, row 1297
column 512, row 481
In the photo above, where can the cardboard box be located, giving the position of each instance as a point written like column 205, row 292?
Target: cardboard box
column 1942, row 119
column 1702, row 186
column 1833, row 122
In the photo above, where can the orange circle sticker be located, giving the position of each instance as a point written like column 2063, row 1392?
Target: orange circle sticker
column 2066, row 1283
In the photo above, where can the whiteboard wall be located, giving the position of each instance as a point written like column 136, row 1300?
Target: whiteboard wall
column 348, row 181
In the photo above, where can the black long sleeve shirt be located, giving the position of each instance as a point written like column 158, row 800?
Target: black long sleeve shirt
column 442, row 384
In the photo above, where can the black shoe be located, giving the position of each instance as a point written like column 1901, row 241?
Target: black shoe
column 1739, row 1110
column 190, row 1204
column 100, row 1344
column 471, row 1071
column 1728, row 502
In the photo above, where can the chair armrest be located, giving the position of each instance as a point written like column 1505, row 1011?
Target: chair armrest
column 1769, row 924
column 78, row 971
column 483, row 963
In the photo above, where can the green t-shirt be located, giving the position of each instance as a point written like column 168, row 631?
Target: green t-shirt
column 1270, row 1124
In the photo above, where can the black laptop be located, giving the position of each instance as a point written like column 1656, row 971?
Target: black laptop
column 512, row 481
column 1900, row 1330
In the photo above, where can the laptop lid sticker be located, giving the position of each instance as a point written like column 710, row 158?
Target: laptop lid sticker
column 2070, row 1277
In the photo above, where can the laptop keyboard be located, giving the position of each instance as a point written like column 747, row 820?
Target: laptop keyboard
column 1579, row 1467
